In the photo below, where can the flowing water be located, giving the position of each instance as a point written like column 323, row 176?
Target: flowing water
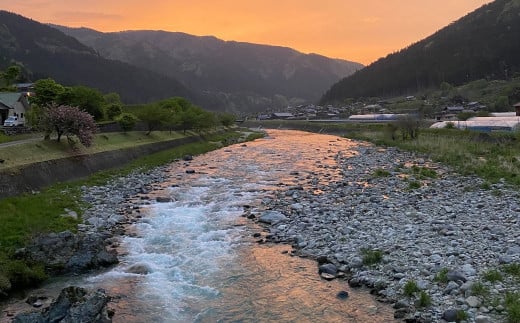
column 204, row 264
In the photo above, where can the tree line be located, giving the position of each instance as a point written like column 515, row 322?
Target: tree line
column 72, row 112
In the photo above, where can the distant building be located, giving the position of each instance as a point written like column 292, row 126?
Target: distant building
column 282, row 115
column 13, row 104
column 517, row 109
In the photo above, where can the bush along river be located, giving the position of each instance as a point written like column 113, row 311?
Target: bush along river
column 195, row 240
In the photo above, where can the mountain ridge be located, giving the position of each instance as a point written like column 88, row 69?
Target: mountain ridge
column 229, row 72
column 482, row 44
column 47, row 52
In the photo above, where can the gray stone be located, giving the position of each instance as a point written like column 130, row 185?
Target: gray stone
column 473, row 301
column 450, row 315
column 455, row 276
column 272, row 217
column 329, row 269
column 139, row 269
column 74, row 304
column 482, row 319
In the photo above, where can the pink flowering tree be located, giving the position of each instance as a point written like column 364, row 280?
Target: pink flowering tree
column 70, row 121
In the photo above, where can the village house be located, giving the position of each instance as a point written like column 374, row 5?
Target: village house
column 13, row 104
column 517, row 109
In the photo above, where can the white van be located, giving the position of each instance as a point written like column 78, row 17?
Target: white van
column 13, row 121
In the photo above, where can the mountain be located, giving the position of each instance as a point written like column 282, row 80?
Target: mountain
column 483, row 44
column 229, row 73
column 47, row 52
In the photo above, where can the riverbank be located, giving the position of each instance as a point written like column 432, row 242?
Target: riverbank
column 423, row 238
column 435, row 244
column 33, row 224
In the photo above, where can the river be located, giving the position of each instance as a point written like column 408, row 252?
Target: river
column 204, row 261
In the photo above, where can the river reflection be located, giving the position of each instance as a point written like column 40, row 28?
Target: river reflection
column 204, row 264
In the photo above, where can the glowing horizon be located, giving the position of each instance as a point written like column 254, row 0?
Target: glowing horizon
column 347, row 29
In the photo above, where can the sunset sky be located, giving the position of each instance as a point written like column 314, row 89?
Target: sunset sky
column 357, row 30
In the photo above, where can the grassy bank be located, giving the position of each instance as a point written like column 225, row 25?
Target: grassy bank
column 491, row 156
column 42, row 150
column 28, row 215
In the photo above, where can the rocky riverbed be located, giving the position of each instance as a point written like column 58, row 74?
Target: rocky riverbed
column 423, row 226
column 438, row 241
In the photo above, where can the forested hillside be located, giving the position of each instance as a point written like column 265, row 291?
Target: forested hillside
column 46, row 52
column 233, row 74
column 485, row 44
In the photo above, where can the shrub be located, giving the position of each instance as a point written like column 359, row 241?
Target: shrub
column 424, row 300
column 22, row 274
column 414, row 185
column 424, row 172
column 442, row 276
column 381, row 173
column 512, row 269
column 479, row 289
column 410, row 288
column 512, row 302
column 493, row 276
column 371, row 257
column 127, row 121
column 461, row 316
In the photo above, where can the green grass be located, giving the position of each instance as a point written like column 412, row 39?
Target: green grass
column 512, row 269
column 492, row 276
column 4, row 138
column 413, row 185
column 423, row 172
column 442, row 276
column 512, row 304
column 479, row 289
column 410, row 288
column 42, row 150
column 424, row 300
column 492, row 158
column 380, row 172
column 27, row 215
column 371, row 257
column 461, row 316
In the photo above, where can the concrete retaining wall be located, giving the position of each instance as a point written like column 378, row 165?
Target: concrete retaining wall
column 36, row 176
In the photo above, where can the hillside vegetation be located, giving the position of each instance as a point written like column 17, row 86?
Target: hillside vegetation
column 235, row 75
column 482, row 45
column 46, row 52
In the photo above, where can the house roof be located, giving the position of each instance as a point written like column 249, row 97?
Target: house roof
column 9, row 99
column 517, row 105
column 283, row 114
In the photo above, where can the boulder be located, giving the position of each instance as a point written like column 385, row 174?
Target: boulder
column 139, row 269
column 272, row 217
column 74, row 304
column 66, row 252
column 330, row 269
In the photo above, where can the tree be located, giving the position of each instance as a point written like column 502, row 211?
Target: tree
column 112, row 98
column 127, row 121
column 11, row 74
column 113, row 110
column 227, row 119
column 85, row 98
column 154, row 116
column 46, row 92
column 70, row 121
column 502, row 104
